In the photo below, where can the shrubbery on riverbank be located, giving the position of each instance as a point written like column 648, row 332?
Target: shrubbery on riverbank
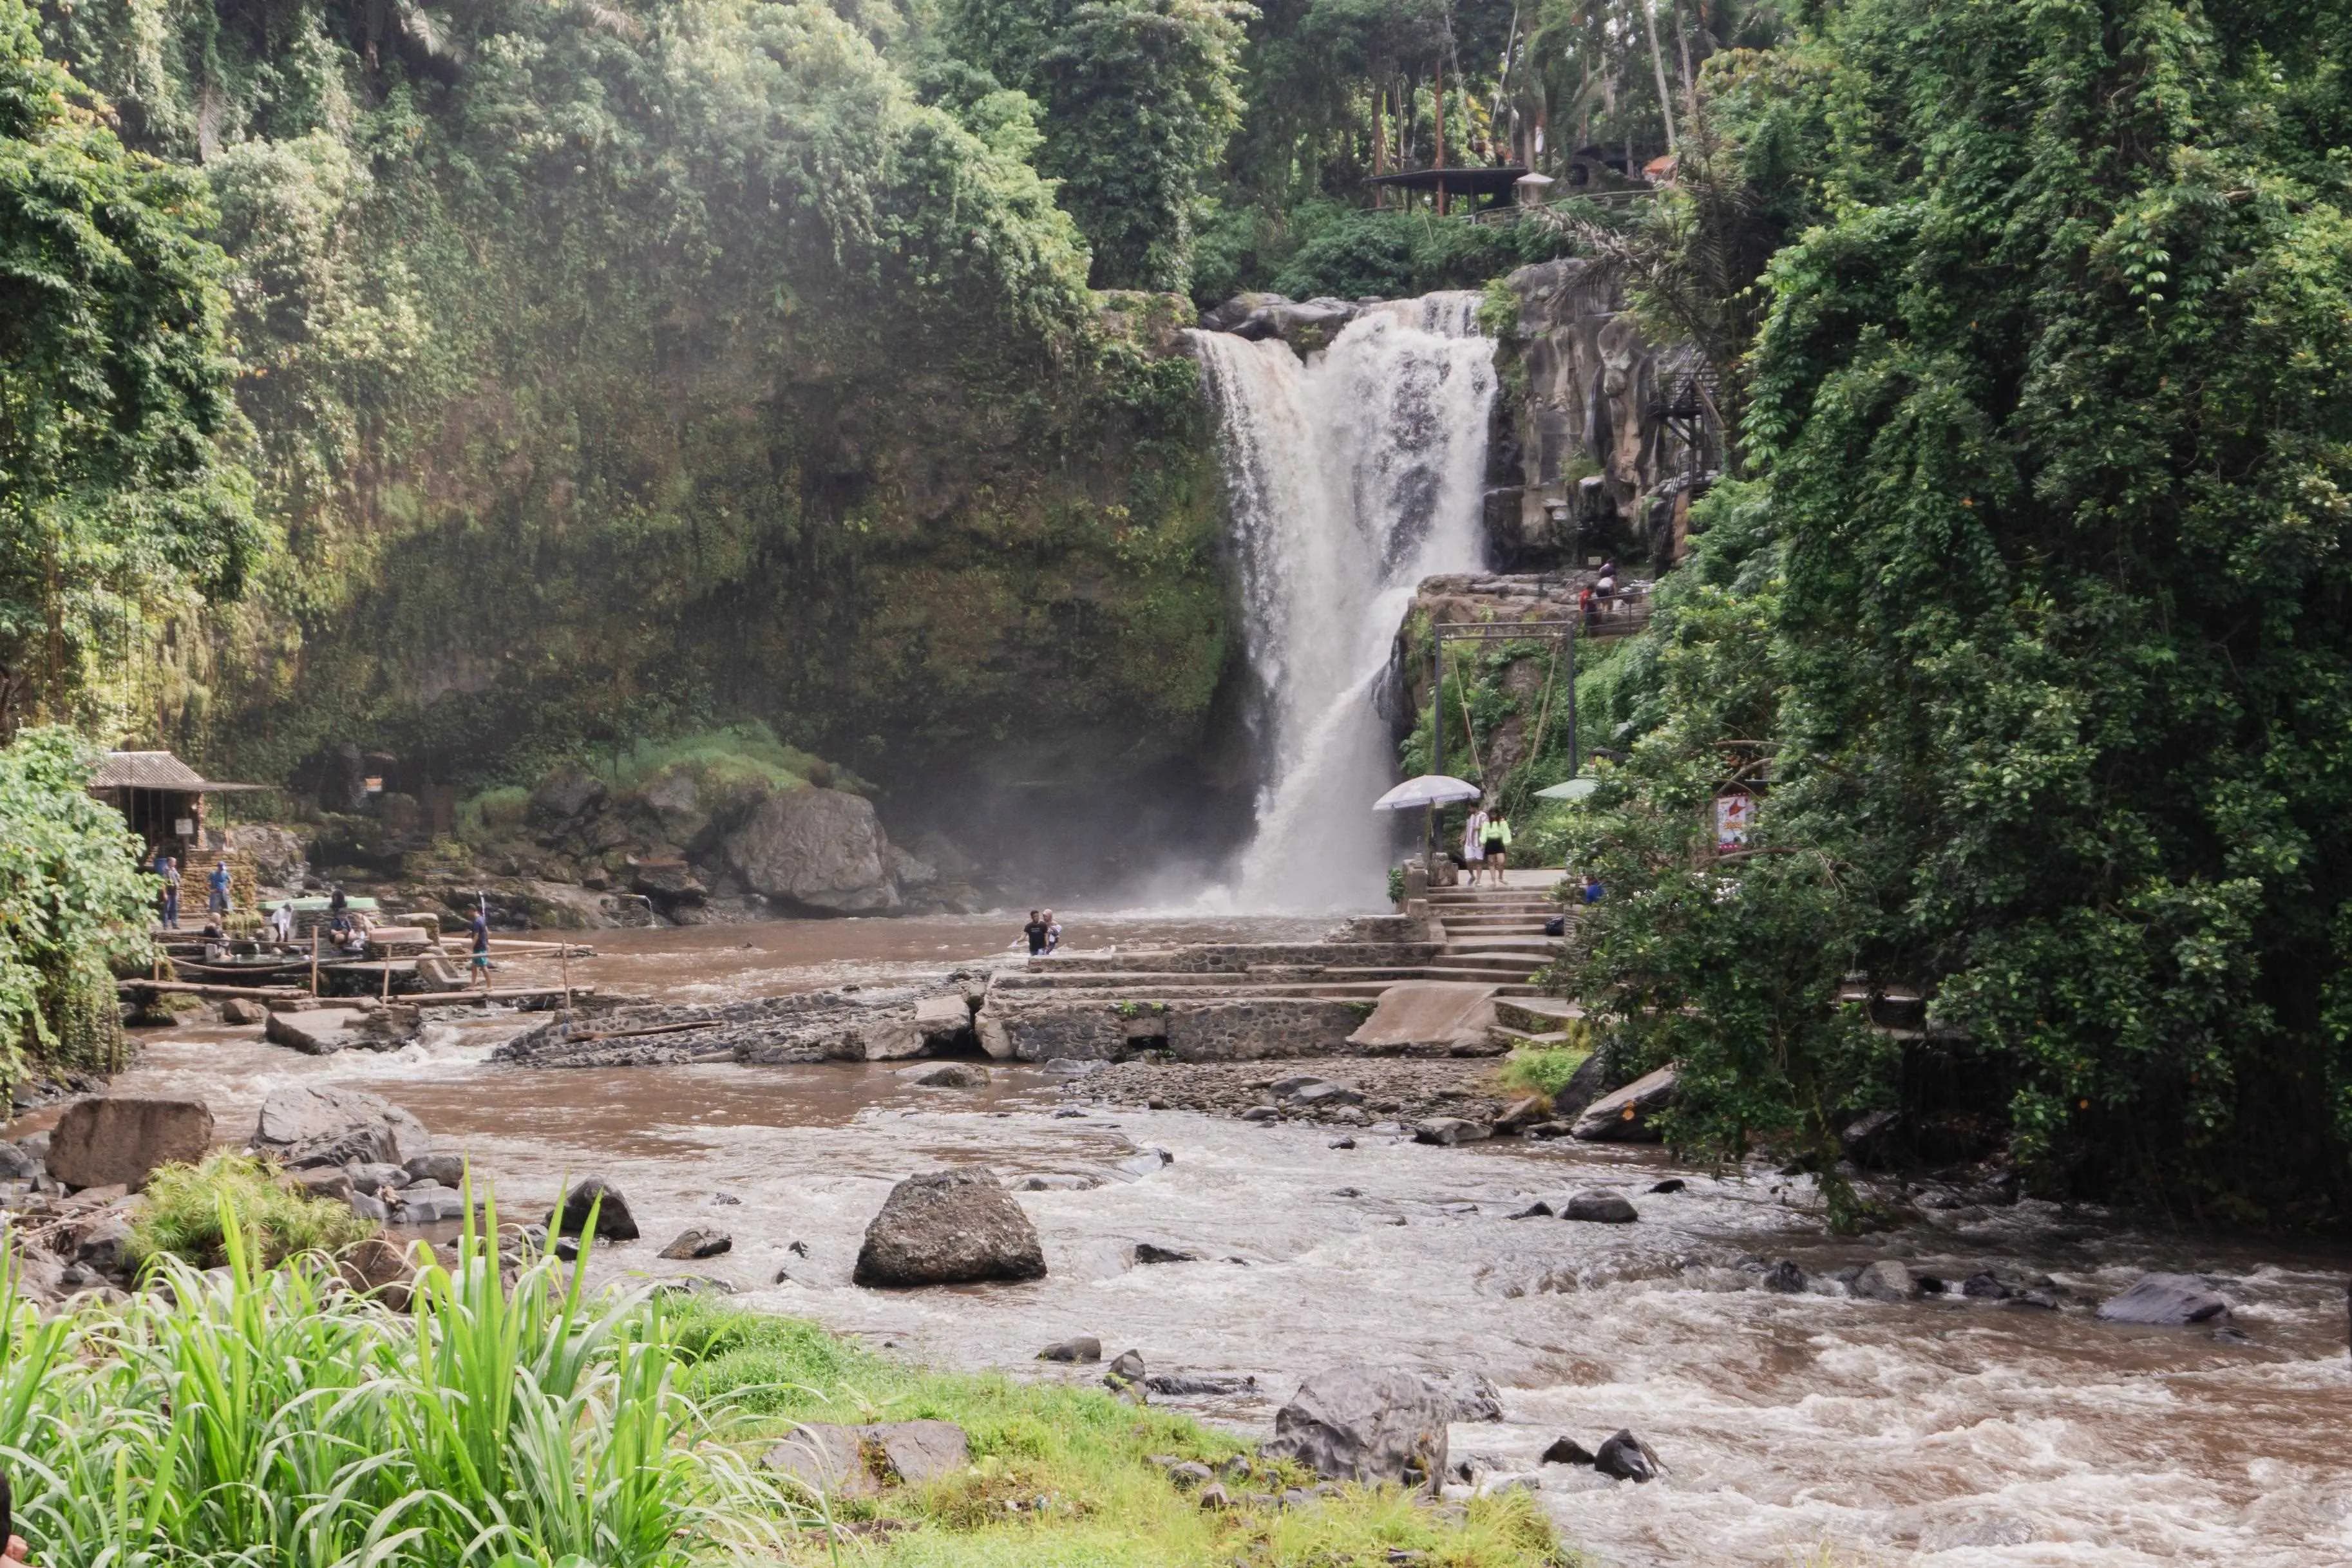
column 72, row 905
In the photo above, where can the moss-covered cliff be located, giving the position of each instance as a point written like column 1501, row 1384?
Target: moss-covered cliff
column 614, row 369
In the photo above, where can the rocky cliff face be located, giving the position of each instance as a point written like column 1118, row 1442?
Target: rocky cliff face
column 1602, row 436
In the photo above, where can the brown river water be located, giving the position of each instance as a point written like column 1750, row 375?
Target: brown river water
column 1810, row 1428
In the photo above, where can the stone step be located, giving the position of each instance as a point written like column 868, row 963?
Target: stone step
column 1527, row 925
column 1523, row 963
column 1194, row 979
column 1536, row 1015
column 1507, row 977
column 1159, row 988
column 1517, row 1038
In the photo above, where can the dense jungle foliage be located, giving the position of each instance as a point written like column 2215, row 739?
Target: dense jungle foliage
column 524, row 379
column 2027, row 622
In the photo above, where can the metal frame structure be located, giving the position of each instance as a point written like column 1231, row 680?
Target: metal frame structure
column 1444, row 632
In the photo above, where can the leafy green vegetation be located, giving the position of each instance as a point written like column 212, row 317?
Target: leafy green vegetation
column 72, row 906
column 1061, row 1474
column 116, row 509
column 510, row 1417
column 189, row 1209
column 250, row 1413
column 1542, row 1069
column 2028, row 615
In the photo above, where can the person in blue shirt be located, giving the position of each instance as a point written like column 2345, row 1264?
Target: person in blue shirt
column 219, row 882
column 1593, row 887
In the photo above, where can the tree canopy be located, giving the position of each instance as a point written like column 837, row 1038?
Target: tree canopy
column 115, row 501
column 2032, row 606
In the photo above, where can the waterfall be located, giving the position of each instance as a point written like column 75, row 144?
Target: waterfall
column 1349, row 478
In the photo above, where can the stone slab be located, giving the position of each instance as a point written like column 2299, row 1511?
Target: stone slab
column 1426, row 1015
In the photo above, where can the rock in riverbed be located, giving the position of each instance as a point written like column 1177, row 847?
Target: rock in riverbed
column 2160, row 1300
column 949, row 1228
column 613, row 1220
column 311, row 1124
column 115, row 1140
column 1086, row 1347
column 699, row 1241
column 1600, row 1205
column 858, row 1461
column 1450, row 1130
column 947, row 1075
column 1363, row 1423
column 1885, row 1281
column 1627, row 1115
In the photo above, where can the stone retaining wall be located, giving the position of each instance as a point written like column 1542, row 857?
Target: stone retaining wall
column 1234, row 958
column 1236, row 1029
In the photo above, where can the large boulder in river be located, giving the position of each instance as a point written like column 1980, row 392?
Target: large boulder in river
column 1363, row 1423
column 815, row 849
column 2168, row 1299
column 313, row 1125
column 115, row 1140
column 1627, row 1115
column 949, row 1228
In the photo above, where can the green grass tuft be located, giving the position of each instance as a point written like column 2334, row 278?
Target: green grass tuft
column 1542, row 1069
column 189, row 1206
column 1064, row 1474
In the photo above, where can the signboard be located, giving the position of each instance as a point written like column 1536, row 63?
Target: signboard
column 184, row 828
column 1735, row 816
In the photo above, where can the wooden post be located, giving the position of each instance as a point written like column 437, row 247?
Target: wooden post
column 387, row 977
column 1438, row 97
column 567, row 977
column 314, row 962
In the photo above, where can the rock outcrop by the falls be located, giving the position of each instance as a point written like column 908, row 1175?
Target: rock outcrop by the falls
column 1588, row 426
column 815, row 849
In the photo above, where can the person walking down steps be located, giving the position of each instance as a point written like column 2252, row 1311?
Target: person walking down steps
column 1497, row 836
column 218, row 884
column 1474, row 842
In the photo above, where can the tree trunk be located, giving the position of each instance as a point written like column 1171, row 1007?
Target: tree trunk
column 1657, row 64
column 1438, row 99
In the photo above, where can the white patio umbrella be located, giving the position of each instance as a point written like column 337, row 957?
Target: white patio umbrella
column 1429, row 789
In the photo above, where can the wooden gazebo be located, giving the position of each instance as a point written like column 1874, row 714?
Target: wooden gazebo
column 161, row 797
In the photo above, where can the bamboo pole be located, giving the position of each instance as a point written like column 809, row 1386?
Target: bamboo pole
column 314, row 961
column 197, row 988
column 567, row 977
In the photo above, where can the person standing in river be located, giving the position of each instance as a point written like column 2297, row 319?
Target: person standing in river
column 1053, row 932
column 480, row 927
column 1036, row 931
column 218, row 884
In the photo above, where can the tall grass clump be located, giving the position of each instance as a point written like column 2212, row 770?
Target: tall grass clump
column 251, row 1416
column 1544, row 1069
column 190, row 1209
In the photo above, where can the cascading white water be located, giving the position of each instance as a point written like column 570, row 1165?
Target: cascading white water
column 1350, row 478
